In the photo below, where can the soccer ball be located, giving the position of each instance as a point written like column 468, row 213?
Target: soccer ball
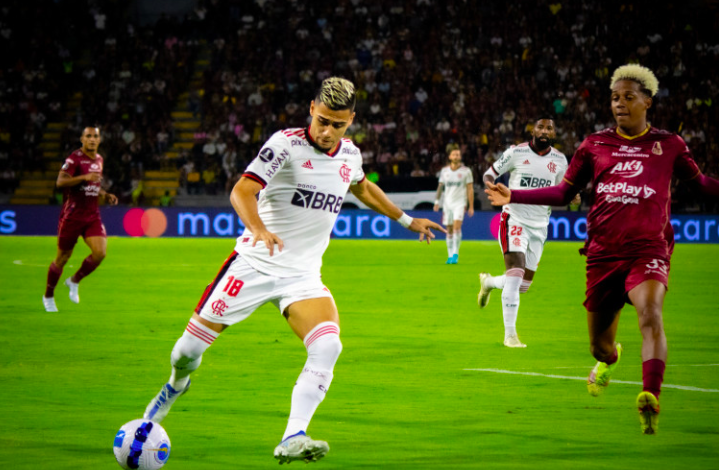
column 141, row 445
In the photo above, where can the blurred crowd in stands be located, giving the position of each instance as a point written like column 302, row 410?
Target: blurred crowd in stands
column 431, row 76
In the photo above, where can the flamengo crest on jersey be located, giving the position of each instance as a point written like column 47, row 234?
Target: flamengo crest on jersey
column 455, row 185
column 529, row 170
column 302, row 196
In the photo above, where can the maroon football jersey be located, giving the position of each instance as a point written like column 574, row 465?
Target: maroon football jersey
column 631, row 183
column 80, row 201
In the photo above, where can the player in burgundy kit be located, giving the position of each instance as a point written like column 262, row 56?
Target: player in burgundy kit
column 80, row 177
column 629, row 237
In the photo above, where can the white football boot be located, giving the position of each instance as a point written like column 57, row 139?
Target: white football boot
column 512, row 341
column 484, row 290
column 301, row 447
column 74, row 290
column 49, row 303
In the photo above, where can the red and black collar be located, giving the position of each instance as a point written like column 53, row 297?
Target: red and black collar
column 317, row 147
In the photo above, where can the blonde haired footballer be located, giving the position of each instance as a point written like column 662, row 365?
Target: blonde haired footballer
column 301, row 177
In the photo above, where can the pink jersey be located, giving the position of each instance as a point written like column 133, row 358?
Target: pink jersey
column 630, row 180
column 80, row 201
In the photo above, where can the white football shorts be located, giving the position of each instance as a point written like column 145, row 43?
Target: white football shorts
column 238, row 290
column 518, row 238
column 452, row 212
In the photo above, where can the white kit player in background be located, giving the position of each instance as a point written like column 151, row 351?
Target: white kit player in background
column 456, row 181
column 301, row 176
column 523, row 228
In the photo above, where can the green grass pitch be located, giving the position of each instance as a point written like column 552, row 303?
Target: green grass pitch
column 404, row 394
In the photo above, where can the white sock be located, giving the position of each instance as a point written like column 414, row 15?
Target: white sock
column 496, row 282
column 187, row 354
column 457, row 241
column 450, row 245
column 323, row 348
column 510, row 299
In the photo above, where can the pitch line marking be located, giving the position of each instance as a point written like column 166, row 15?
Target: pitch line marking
column 629, row 365
column 552, row 376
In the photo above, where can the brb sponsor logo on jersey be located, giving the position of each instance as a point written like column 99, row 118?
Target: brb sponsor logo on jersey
column 529, row 181
column 307, row 197
column 624, row 193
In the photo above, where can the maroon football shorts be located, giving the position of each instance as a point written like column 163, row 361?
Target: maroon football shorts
column 69, row 230
column 609, row 281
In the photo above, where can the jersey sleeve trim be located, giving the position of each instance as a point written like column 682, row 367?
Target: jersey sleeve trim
column 254, row 177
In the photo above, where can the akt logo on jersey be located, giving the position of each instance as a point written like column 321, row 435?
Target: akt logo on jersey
column 533, row 182
column 317, row 200
column 628, row 169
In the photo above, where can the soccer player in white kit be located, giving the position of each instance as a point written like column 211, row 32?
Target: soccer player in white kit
column 523, row 228
column 456, row 181
column 301, row 176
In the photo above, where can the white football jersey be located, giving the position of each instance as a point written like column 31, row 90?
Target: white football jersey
column 302, row 196
column 529, row 170
column 455, row 185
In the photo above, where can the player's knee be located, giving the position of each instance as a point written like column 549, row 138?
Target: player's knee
column 62, row 259
column 650, row 318
column 98, row 256
column 324, row 345
column 187, row 353
column 333, row 347
column 327, row 348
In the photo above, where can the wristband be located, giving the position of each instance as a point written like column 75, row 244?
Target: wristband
column 405, row 220
column 436, row 202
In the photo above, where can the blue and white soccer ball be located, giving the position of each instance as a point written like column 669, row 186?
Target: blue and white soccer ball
column 141, row 445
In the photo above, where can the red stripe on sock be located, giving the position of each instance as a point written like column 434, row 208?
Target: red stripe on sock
column 515, row 272
column 325, row 330
column 197, row 332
